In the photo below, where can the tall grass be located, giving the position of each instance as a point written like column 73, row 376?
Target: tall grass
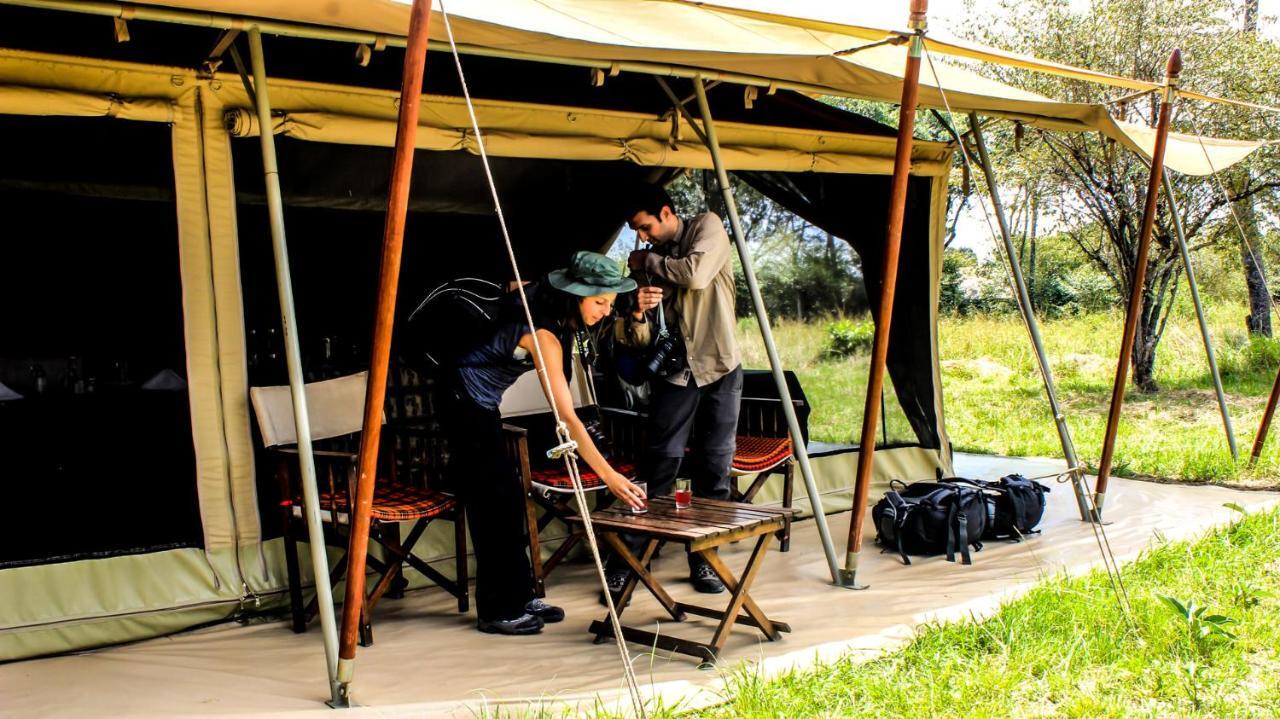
column 993, row 398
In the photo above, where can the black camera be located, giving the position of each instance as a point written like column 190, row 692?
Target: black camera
column 668, row 356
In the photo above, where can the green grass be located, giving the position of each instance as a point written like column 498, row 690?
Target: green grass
column 994, row 401
column 1064, row 649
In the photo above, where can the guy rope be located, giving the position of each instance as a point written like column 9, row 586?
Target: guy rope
column 567, row 447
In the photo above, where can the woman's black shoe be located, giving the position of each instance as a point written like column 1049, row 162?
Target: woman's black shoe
column 523, row 624
column 548, row 613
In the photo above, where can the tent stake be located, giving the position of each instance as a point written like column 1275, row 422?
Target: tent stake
column 766, row 332
column 1181, row 238
column 1172, row 69
column 293, row 360
column 918, row 23
column 415, row 61
column 1033, row 326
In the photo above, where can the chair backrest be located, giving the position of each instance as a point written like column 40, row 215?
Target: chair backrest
column 335, row 407
column 526, row 397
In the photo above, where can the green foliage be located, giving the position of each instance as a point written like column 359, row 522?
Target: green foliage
column 847, row 337
column 1202, row 628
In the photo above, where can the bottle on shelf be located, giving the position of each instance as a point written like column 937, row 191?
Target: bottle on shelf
column 38, row 378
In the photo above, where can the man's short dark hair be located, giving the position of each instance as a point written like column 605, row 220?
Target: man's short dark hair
column 647, row 198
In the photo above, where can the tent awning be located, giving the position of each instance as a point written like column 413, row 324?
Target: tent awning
column 529, row 130
column 735, row 39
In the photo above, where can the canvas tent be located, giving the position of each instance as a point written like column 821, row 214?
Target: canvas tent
column 546, row 125
column 556, row 141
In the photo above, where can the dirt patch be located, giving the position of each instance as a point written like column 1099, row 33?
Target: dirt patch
column 979, row 368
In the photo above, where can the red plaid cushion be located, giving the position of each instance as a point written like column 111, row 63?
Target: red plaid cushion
column 558, row 477
column 396, row 502
column 756, row 454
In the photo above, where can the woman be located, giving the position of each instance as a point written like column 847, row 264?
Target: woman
column 565, row 302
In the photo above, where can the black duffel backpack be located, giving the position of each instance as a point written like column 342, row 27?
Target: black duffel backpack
column 1015, row 505
column 928, row 518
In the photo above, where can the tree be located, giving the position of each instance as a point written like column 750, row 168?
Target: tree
column 1094, row 190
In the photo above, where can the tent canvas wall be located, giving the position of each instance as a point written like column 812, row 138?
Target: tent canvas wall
column 94, row 601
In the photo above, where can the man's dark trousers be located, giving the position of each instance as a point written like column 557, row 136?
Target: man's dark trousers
column 703, row 419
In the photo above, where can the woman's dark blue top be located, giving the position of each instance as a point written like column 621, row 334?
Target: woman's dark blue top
column 489, row 368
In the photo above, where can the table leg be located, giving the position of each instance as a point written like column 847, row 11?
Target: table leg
column 640, row 573
column 740, row 598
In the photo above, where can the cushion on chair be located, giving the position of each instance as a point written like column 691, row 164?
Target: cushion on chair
column 394, row 502
column 757, row 454
column 558, row 477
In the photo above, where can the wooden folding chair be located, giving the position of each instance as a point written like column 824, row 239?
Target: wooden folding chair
column 336, row 410
column 764, row 449
column 547, row 486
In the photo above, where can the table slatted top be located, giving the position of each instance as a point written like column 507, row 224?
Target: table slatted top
column 706, row 523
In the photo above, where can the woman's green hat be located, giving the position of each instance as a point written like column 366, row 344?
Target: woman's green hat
column 589, row 274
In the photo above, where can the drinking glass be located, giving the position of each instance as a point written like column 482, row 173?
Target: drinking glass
column 683, row 493
column 644, row 489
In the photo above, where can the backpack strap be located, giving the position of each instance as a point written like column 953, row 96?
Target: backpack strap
column 895, row 518
column 951, row 533
column 962, row 529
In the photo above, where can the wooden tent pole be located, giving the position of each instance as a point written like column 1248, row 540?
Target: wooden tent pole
column 918, row 23
column 415, row 60
column 1173, row 68
column 261, row 99
column 1265, row 426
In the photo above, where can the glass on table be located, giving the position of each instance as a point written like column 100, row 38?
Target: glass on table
column 644, row 490
column 683, row 493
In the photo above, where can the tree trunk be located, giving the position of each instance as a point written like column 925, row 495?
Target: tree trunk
column 1259, row 319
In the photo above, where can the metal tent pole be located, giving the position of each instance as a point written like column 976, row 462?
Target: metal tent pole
column 1033, row 326
column 293, row 360
column 918, row 23
column 1180, row 235
column 766, row 332
column 1172, row 69
column 415, row 61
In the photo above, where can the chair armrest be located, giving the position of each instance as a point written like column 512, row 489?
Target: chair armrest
column 771, row 400
column 619, row 412
column 324, row 453
column 515, row 430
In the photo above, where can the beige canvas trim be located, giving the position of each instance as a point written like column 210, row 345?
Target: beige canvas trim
column 55, row 608
column 224, row 253
column 17, row 100
column 199, row 318
column 937, row 237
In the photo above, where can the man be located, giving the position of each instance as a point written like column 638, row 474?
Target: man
column 689, row 270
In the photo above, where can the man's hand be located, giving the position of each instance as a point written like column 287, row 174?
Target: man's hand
column 646, row 299
column 637, row 259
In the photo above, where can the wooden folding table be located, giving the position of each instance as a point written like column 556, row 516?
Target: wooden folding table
column 701, row 528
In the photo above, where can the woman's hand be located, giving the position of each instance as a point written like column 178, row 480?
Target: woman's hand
column 625, row 490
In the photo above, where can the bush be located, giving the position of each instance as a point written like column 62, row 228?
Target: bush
column 848, row 337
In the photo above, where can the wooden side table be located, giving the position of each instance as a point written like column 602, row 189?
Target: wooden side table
column 701, row 528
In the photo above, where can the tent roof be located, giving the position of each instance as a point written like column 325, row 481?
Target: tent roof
column 739, row 40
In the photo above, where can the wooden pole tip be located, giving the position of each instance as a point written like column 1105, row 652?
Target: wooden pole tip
column 1174, row 67
column 919, row 10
